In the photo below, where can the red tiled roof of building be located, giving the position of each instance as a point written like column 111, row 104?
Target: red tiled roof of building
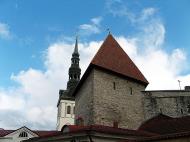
column 112, row 57
column 46, row 133
column 5, row 132
column 107, row 129
column 162, row 124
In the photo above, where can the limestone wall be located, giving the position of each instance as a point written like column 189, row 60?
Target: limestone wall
column 84, row 101
column 117, row 104
column 172, row 103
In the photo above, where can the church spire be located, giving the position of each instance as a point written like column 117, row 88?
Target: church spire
column 74, row 70
column 76, row 46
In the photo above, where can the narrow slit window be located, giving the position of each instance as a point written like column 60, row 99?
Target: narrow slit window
column 114, row 86
column 131, row 91
column 181, row 111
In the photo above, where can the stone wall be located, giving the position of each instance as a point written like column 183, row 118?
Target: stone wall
column 105, row 98
column 172, row 103
column 117, row 105
column 84, row 100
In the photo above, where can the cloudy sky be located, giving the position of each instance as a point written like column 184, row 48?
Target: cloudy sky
column 37, row 39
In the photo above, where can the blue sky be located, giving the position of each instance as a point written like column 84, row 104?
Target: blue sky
column 33, row 31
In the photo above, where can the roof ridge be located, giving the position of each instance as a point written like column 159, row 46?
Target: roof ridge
column 111, row 56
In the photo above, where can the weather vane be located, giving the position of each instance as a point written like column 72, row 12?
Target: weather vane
column 108, row 30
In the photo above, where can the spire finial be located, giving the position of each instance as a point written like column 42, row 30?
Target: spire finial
column 76, row 45
column 108, row 30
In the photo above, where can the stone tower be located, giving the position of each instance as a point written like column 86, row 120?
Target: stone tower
column 109, row 92
column 66, row 102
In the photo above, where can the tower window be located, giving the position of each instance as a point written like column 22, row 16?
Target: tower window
column 68, row 109
column 181, row 111
column 114, row 85
column 131, row 91
column 23, row 134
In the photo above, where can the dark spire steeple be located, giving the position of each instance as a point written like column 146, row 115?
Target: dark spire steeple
column 76, row 46
column 74, row 70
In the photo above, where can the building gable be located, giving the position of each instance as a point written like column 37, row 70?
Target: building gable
column 112, row 58
column 20, row 130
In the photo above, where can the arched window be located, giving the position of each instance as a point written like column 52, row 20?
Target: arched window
column 68, row 109
column 23, row 134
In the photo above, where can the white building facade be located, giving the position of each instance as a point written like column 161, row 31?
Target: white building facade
column 65, row 115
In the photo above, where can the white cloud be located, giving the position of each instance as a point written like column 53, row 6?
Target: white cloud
column 96, row 20
column 118, row 8
column 92, row 28
column 4, row 31
column 10, row 101
column 35, row 98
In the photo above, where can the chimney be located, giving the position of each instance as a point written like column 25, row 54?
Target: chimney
column 187, row 88
column 115, row 124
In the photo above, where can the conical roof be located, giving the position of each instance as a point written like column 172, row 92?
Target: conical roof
column 112, row 57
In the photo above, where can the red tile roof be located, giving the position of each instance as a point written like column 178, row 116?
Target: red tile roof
column 107, row 129
column 5, row 132
column 46, row 133
column 112, row 57
column 162, row 124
